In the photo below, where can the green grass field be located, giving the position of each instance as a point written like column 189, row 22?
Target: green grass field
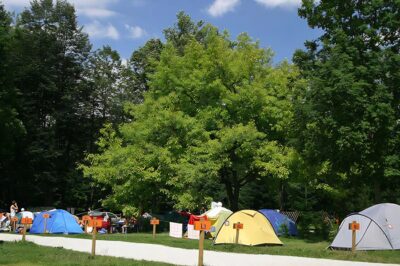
column 291, row 247
column 21, row 254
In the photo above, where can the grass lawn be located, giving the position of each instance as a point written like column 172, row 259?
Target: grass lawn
column 291, row 247
column 19, row 253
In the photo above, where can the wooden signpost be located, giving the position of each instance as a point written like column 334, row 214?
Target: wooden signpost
column 238, row 226
column 154, row 221
column 25, row 222
column 45, row 216
column 354, row 226
column 201, row 226
column 94, row 223
column 14, row 221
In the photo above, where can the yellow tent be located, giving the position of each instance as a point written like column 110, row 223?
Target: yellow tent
column 257, row 230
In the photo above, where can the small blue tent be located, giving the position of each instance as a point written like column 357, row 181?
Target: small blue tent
column 60, row 222
column 278, row 221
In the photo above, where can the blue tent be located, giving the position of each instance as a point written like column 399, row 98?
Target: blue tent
column 278, row 222
column 60, row 222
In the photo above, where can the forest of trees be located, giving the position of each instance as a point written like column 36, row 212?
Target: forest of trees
column 201, row 116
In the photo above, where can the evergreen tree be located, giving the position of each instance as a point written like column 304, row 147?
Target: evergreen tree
column 49, row 53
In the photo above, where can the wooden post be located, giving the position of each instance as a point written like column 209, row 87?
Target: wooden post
column 94, row 237
column 201, row 248
column 14, row 221
column 354, row 226
column 25, row 222
column 238, row 226
column 237, row 236
column 353, row 241
column 202, row 226
column 24, row 233
column 154, row 221
column 45, row 216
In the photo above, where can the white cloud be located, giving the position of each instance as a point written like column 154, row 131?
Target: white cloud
column 220, row 7
column 88, row 8
column 135, row 32
column 94, row 8
column 15, row 3
column 279, row 3
column 96, row 12
column 98, row 30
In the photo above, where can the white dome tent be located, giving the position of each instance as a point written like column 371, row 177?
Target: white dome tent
column 379, row 229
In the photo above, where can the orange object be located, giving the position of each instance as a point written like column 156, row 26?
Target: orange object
column 1, row 215
column 14, row 219
column 202, row 225
column 26, row 221
column 154, row 221
column 46, row 215
column 354, row 226
column 86, row 218
column 96, row 223
column 237, row 226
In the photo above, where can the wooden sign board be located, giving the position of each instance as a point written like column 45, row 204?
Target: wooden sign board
column 354, row 226
column 95, row 223
column 26, row 221
column 46, row 216
column 154, row 221
column 202, row 225
column 237, row 226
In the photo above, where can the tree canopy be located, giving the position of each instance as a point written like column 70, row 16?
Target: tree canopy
column 215, row 118
column 349, row 112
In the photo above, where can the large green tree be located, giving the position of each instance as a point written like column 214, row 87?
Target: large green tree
column 348, row 114
column 49, row 52
column 216, row 118
column 11, row 127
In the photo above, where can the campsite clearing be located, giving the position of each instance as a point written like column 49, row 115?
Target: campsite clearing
column 291, row 247
column 31, row 254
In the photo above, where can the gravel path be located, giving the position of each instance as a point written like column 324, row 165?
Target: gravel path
column 179, row 256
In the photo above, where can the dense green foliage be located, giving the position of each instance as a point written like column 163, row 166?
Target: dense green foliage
column 201, row 116
column 348, row 115
column 216, row 118
column 57, row 95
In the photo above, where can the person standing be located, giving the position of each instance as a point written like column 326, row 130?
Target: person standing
column 13, row 208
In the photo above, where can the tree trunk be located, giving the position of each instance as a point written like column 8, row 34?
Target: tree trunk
column 377, row 187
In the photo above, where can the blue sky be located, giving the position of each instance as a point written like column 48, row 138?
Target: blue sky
column 126, row 25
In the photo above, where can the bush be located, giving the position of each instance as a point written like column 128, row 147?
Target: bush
column 312, row 225
column 284, row 230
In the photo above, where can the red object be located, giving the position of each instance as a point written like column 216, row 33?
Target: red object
column 193, row 218
column 104, row 224
column 185, row 214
